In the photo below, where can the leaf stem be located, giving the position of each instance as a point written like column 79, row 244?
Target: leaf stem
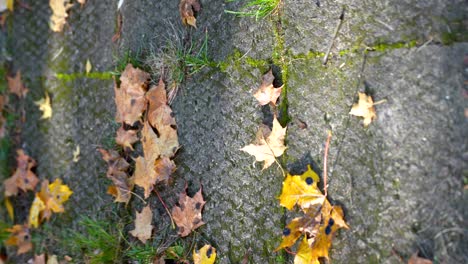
column 167, row 209
column 325, row 158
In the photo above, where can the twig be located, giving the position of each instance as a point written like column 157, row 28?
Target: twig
column 380, row 102
column 327, row 145
column 165, row 207
column 337, row 29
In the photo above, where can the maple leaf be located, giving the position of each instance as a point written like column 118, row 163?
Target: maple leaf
column 205, row 255
column 16, row 86
column 155, row 166
column 298, row 226
column 187, row 215
column 267, row 149
column 126, row 138
column 44, row 106
column 364, row 108
column 143, row 225
column 267, row 93
column 54, row 195
column 117, row 172
column 20, row 236
column 23, row 178
column 301, row 190
column 130, row 97
column 187, row 10
column 160, row 117
column 59, row 14
column 318, row 245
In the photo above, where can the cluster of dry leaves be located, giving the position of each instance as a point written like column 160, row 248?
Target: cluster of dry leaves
column 145, row 116
column 48, row 200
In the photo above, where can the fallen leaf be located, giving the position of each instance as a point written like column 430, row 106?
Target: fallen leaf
column 130, row 97
column 117, row 172
column 59, row 14
column 126, row 138
column 267, row 93
column 23, row 178
column 301, row 225
column 205, row 255
column 188, row 10
column 6, row 4
column 34, row 212
column 187, row 215
column 10, row 209
column 267, row 149
column 52, row 260
column 88, row 66
column 318, row 245
column 44, row 106
column 53, row 195
column 15, row 85
column 151, row 168
column 76, row 154
column 143, row 225
column 20, row 237
column 82, row 2
column 39, row 259
column 417, row 260
column 301, row 190
column 160, row 117
column 364, row 108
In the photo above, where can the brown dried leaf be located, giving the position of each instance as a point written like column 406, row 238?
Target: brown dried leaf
column 20, row 237
column 267, row 93
column 117, row 172
column 130, row 97
column 16, row 86
column 187, row 215
column 267, row 149
column 147, row 174
column 364, row 108
column 188, row 9
column 126, row 138
column 23, row 178
column 160, row 117
column 143, row 225
column 59, row 14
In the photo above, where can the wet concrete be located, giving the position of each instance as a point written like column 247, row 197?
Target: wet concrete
column 400, row 180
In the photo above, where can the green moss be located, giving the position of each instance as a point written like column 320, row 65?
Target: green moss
column 381, row 47
column 91, row 75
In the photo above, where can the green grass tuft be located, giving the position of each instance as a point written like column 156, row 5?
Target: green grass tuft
column 100, row 242
column 256, row 8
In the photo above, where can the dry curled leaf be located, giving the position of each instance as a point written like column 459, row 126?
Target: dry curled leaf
column 364, row 108
column 267, row 93
column 187, row 215
column 205, row 255
column 143, row 225
column 44, row 106
column 15, row 85
column 130, row 97
column 270, row 147
column 126, row 138
column 20, row 236
column 59, row 14
column 117, row 172
column 23, row 178
column 188, row 9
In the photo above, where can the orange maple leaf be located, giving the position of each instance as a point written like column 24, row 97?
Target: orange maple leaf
column 187, row 215
column 23, row 178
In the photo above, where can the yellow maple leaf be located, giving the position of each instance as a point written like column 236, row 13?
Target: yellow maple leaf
column 301, row 190
column 304, row 254
column 53, row 196
column 10, row 209
column 45, row 107
column 205, row 255
column 364, row 108
column 270, row 147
